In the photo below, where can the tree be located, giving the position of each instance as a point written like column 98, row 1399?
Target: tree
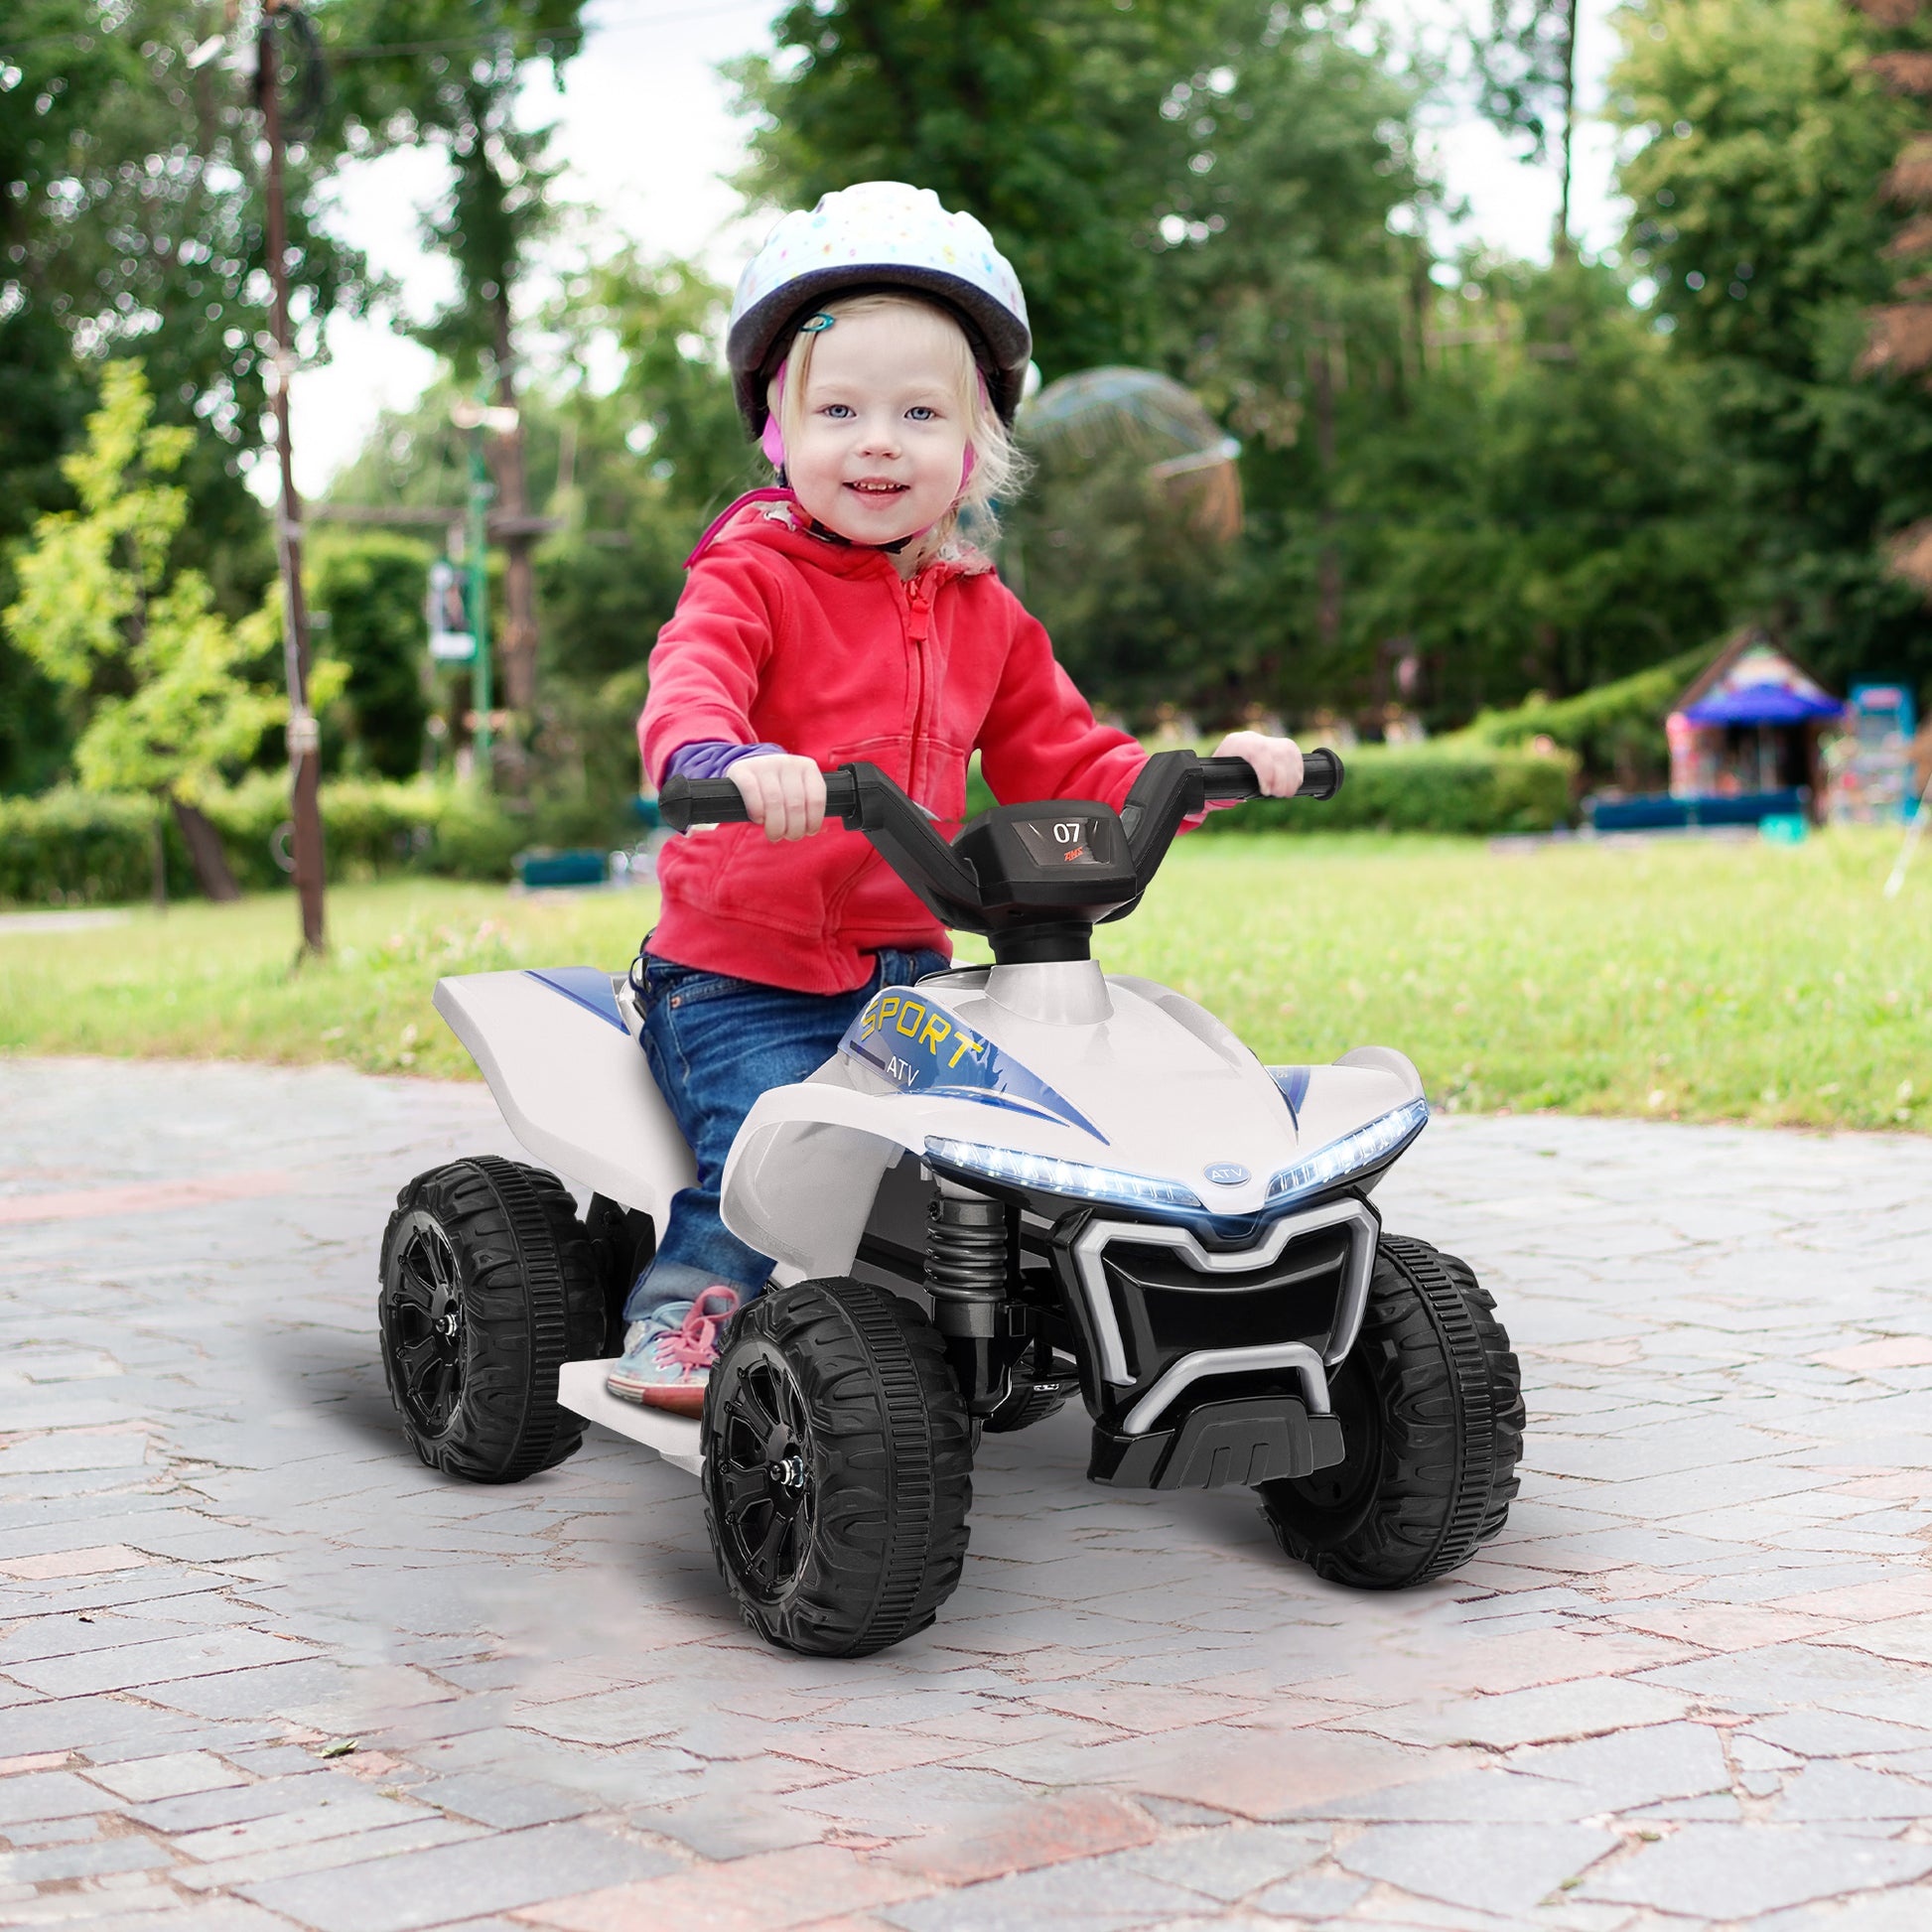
column 373, row 586
column 130, row 219
column 1553, row 515
column 448, row 73
column 164, row 678
column 1526, row 70
column 1038, row 116
column 1286, row 299
column 633, row 473
column 1766, row 138
column 1899, row 337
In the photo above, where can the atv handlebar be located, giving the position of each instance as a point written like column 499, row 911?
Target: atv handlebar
column 685, row 802
column 988, row 880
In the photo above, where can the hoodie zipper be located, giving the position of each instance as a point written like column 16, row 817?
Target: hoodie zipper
column 918, row 618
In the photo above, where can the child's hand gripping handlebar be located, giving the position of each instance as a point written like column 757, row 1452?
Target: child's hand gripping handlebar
column 685, row 802
column 1226, row 780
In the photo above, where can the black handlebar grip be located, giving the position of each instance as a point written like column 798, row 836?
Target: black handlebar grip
column 1225, row 781
column 1229, row 780
column 842, row 794
column 685, row 802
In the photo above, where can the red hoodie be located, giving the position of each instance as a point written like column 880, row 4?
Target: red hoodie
column 783, row 638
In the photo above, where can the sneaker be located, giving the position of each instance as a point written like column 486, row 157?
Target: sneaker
column 667, row 1356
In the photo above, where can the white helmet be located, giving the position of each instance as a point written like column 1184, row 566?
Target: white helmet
column 878, row 235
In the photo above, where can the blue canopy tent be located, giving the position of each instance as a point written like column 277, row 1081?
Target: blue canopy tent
column 1763, row 704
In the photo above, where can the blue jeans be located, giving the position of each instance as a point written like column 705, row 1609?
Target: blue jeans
column 713, row 1045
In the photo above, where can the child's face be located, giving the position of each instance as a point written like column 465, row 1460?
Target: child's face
column 881, row 448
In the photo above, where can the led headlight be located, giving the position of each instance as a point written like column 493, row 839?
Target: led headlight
column 1350, row 1155
column 1054, row 1177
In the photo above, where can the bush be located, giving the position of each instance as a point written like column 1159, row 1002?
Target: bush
column 1429, row 789
column 76, row 848
column 1615, row 730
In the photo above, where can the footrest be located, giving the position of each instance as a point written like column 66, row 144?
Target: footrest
column 580, row 1390
column 1256, row 1439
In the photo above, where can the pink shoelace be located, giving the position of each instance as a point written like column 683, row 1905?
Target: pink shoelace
column 694, row 1344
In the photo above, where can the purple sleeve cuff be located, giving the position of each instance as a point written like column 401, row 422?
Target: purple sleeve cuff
column 709, row 757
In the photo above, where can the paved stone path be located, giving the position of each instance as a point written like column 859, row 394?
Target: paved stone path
column 1692, row 1682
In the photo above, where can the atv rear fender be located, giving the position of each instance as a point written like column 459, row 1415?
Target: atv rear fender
column 572, row 1083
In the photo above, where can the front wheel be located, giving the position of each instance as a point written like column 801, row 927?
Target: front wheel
column 487, row 1288
column 837, row 1468
column 1430, row 1405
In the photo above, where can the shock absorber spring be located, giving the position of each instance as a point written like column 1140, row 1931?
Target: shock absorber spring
column 966, row 1251
column 965, row 1247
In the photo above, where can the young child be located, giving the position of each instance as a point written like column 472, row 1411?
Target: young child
column 879, row 345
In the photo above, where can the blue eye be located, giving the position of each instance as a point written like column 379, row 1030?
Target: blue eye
column 838, row 411
column 924, row 413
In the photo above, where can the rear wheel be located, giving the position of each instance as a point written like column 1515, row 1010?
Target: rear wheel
column 487, row 1288
column 1430, row 1406
column 837, row 1468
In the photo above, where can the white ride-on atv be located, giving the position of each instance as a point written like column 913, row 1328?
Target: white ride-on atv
column 1010, row 1183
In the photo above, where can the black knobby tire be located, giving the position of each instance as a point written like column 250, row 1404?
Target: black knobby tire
column 1430, row 1405
column 487, row 1288
column 837, row 1468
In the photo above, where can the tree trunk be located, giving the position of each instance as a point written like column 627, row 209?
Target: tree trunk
column 519, row 650
column 1562, row 250
column 204, row 844
column 1327, row 618
column 158, row 860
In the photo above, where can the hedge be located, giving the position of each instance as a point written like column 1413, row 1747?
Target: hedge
column 1424, row 789
column 370, row 827
column 1427, row 790
column 75, row 848
column 1616, row 730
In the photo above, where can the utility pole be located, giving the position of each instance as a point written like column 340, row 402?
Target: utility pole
column 476, row 417
column 304, row 733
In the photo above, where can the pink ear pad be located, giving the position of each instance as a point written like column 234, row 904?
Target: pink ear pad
column 773, row 442
column 966, row 468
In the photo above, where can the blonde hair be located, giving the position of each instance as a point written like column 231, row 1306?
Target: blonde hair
column 998, row 468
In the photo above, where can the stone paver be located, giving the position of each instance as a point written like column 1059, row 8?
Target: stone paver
column 1691, row 1684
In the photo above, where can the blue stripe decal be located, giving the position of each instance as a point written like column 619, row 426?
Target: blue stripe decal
column 1293, row 1085
column 922, row 1049
column 589, row 986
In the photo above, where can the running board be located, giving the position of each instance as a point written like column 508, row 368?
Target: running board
column 580, row 1390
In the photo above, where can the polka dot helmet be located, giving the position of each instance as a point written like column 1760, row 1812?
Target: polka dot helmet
column 877, row 234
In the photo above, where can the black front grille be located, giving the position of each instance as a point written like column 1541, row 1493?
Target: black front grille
column 1167, row 1309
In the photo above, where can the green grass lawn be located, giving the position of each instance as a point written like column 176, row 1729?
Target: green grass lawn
column 1698, row 981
